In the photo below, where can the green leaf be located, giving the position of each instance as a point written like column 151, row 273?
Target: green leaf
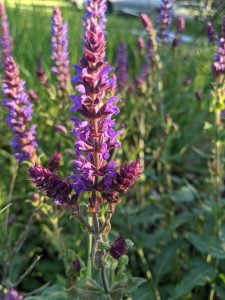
column 201, row 274
column 54, row 292
column 208, row 245
column 184, row 194
column 164, row 261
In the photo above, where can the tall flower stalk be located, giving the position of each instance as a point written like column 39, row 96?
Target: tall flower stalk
column 6, row 40
column 164, row 20
column 121, row 67
column 60, row 55
column 20, row 112
column 96, row 139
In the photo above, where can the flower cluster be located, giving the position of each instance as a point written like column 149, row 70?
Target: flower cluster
column 59, row 40
column 218, row 65
column 6, row 40
column 20, row 112
column 165, row 19
column 97, row 10
column 211, row 34
column 118, row 248
column 96, row 136
column 13, row 295
column 121, row 67
column 53, row 185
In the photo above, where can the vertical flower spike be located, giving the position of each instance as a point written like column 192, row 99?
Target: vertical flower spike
column 164, row 20
column 180, row 29
column 223, row 28
column 151, row 44
column 95, row 137
column 121, row 67
column 218, row 65
column 20, row 112
column 60, row 56
column 13, row 295
column 6, row 40
column 97, row 10
column 211, row 34
column 51, row 184
column 95, row 134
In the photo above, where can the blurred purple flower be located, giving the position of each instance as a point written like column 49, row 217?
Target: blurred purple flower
column 211, row 34
column 218, row 65
column 60, row 55
column 76, row 266
column 42, row 76
column 32, row 95
column 121, row 67
column 141, row 44
column 60, row 128
column 13, row 295
column 6, row 40
column 198, row 95
column 164, row 19
column 20, row 112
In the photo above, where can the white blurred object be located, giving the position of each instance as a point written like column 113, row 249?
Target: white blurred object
column 136, row 7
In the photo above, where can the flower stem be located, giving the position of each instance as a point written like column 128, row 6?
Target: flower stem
column 9, row 198
column 89, row 260
column 105, row 281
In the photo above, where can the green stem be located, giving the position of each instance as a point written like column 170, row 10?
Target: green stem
column 105, row 282
column 89, row 260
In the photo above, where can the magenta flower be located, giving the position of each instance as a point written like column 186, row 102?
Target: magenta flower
column 20, row 112
column 121, row 67
column 60, row 55
column 6, row 40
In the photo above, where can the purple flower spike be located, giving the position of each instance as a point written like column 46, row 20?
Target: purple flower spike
column 121, row 67
column 95, row 136
column 97, row 10
column 218, row 65
column 60, row 56
column 54, row 187
column 223, row 28
column 118, row 248
column 6, row 40
column 20, row 112
column 120, row 182
column 180, row 24
column 211, row 34
column 164, row 19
